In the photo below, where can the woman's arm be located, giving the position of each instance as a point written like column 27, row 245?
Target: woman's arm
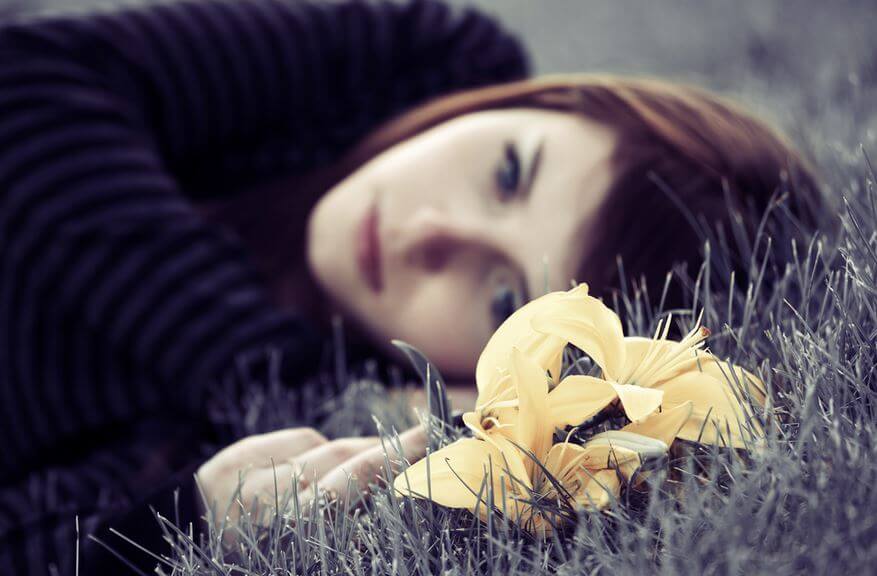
column 225, row 91
column 115, row 297
column 93, row 501
column 145, row 467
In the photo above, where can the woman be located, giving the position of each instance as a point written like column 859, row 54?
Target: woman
column 188, row 187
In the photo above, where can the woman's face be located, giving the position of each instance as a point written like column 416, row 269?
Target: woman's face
column 437, row 239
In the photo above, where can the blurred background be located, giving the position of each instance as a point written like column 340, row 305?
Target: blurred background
column 810, row 65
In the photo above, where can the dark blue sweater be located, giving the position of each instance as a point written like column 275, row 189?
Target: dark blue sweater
column 120, row 308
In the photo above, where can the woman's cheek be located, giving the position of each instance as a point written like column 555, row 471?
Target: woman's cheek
column 446, row 328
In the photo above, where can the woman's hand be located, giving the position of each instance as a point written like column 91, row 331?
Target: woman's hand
column 264, row 461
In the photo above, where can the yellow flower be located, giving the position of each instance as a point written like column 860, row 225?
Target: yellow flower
column 679, row 371
column 499, row 468
column 643, row 374
column 571, row 401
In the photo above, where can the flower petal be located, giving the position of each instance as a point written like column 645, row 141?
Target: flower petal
column 605, row 453
column 638, row 402
column 451, row 476
column 625, row 450
column 736, row 377
column 561, row 456
column 663, row 426
column 574, row 466
column 472, row 420
column 454, row 475
column 699, row 360
column 545, row 349
column 533, row 429
column 600, row 490
column 514, row 461
column 499, row 438
column 588, row 324
column 715, row 412
column 578, row 398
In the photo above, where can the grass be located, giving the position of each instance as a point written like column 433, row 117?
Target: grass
column 806, row 324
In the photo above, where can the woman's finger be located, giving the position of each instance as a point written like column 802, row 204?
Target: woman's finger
column 260, row 449
column 413, row 444
column 333, row 465
column 265, row 492
column 281, row 445
column 370, row 466
column 316, row 463
column 267, row 486
column 220, row 475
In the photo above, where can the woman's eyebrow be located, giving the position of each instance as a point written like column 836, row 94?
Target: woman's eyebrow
column 532, row 148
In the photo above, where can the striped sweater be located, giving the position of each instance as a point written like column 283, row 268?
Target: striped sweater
column 121, row 309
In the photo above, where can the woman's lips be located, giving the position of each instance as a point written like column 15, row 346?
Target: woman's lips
column 368, row 249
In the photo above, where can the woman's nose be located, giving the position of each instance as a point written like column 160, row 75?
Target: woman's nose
column 431, row 238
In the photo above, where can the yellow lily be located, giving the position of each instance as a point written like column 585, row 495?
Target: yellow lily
column 675, row 372
column 575, row 398
column 642, row 373
column 500, row 469
column 571, row 402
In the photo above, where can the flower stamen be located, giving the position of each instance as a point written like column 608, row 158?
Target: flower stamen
column 661, row 359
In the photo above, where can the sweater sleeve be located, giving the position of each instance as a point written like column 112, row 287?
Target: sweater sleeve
column 115, row 297
column 59, row 512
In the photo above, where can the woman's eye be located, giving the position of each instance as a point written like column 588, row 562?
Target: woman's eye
column 508, row 172
column 505, row 302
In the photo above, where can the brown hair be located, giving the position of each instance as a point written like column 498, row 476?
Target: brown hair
column 685, row 158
